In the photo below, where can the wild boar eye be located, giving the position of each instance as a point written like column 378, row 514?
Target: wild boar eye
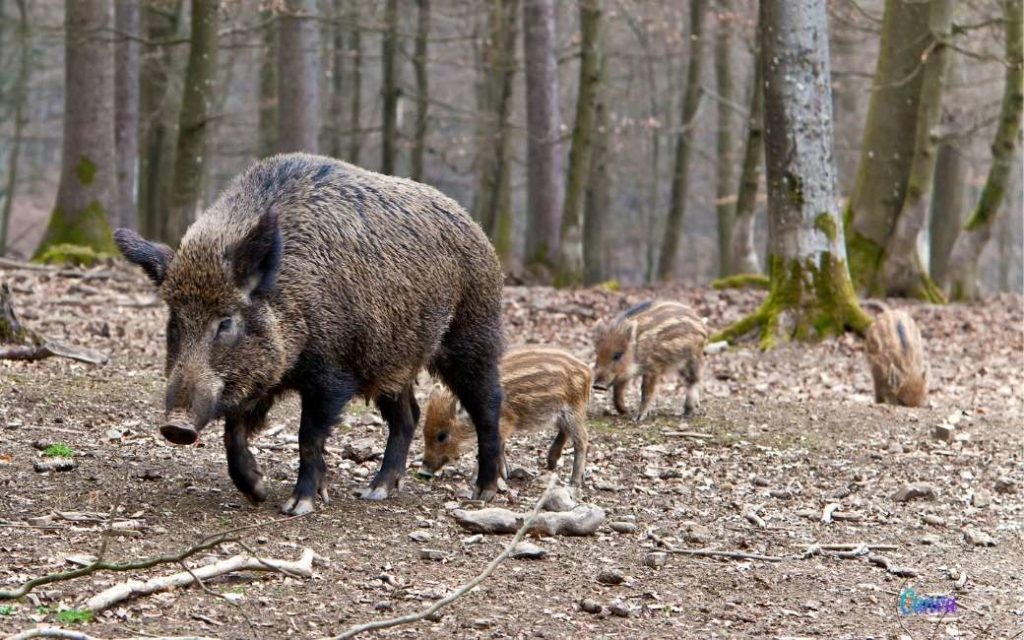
column 225, row 326
column 442, row 437
column 617, row 356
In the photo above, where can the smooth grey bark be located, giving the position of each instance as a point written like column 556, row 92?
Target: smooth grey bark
column 419, row 61
column 87, row 192
column 268, row 89
column 724, row 175
column 949, row 209
column 298, row 77
column 544, row 166
column 570, row 254
column 355, row 83
column 389, row 89
column 18, row 96
column 744, row 253
column 811, row 294
column 194, row 120
column 598, row 194
column 684, row 144
column 126, row 107
column 339, row 52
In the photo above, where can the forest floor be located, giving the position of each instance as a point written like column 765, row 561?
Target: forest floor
column 786, row 433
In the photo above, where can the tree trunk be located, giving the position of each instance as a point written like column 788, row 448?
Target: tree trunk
column 889, row 134
column 597, row 197
column 298, row 77
column 964, row 260
column 389, row 89
column 335, row 129
column 684, row 144
column 194, row 120
column 158, row 117
column 948, row 191
column 268, row 88
column 87, row 194
column 811, row 294
column 724, row 177
column 20, row 92
column 546, row 189
column 570, row 258
column 903, row 273
column 355, row 84
column 126, row 107
column 493, row 204
column 744, row 253
column 420, row 59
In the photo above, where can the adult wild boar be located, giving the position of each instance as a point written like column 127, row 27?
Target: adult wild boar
column 313, row 275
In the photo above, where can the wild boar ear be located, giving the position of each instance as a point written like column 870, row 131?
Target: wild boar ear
column 153, row 257
column 600, row 329
column 632, row 333
column 257, row 258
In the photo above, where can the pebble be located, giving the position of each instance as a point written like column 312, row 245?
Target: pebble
column 383, row 605
column 695, row 532
column 473, row 539
column 915, row 490
column 978, row 538
column 610, row 576
column 360, row 450
column 620, row 609
column 655, row 559
column 559, row 500
column 54, row 464
column 482, row 623
column 930, row 538
column 982, row 498
column 431, row 554
column 944, row 432
column 590, row 605
column 528, row 551
column 623, row 527
column 419, row 536
column 1006, row 485
column 894, row 447
column 936, row 521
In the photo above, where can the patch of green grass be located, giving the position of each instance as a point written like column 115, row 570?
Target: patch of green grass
column 58, row 450
column 74, row 616
column 6, row 609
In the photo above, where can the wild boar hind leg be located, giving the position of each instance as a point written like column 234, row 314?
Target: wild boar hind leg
column 401, row 414
column 322, row 404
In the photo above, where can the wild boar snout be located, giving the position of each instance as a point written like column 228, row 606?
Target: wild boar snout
column 193, row 400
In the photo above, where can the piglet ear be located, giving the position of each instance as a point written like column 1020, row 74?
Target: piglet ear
column 257, row 258
column 153, row 257
column 632, row 333
column 600, row 329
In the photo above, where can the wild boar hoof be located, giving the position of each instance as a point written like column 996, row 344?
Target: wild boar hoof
column 257, row 494
column 374, row 493
column 640, row 417
column 296, row 506
column 323, row 496
column 179, row 433
column 486, row 494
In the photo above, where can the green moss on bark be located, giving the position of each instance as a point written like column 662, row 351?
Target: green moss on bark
column 88, row 228
column 85, row 170
column 864, row 256
column 742, row 281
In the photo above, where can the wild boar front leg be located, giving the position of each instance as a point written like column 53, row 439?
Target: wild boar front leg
column 555, row 452
column 400, row 413
column 647, row 389
column 321, row 407
column 242, row 466
column 619, row 397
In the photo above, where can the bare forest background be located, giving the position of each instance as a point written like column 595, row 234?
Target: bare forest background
column 611, row 135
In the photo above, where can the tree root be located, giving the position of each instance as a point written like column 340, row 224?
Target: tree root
column 742, row 281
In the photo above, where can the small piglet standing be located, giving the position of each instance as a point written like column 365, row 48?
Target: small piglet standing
column 540, row 386
column 896, row 356
column 646, row 341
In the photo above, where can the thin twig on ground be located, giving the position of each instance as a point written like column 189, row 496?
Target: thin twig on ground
column 67, row 634
column 715, row 553
column 423, row 614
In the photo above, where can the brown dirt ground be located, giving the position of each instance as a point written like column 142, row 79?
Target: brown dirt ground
column 798, row 418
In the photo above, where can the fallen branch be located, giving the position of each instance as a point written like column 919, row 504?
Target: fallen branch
column 852, row 546
column 7, row 263
column 242, row 562
column 67, row 634
column 49, row 349
column 352, row 632
column 714, row 553
column 688, row 434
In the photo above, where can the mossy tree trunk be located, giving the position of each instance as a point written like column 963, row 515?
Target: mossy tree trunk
column 194, row 120
column 268, row 88
column 744, row 253
column 887, row 149
column 87, row 192
column 684, row 144
column 902, row 272
column 724, row 175
column 389, row 89
column 492, row 205
column 948, row 194
column 598, row 193
column 810, row 292
column 963, row 277
column 126, row 107
column 419, row 63
column 19, row 94
column 544, row 167
column 298, row 77
column 355, row 84
column 570, row 249
column 158, row 115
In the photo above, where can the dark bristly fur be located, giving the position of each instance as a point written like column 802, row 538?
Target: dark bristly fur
column 314, row 275
column 646, row 341
column 896, row 357
column 541, row 385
